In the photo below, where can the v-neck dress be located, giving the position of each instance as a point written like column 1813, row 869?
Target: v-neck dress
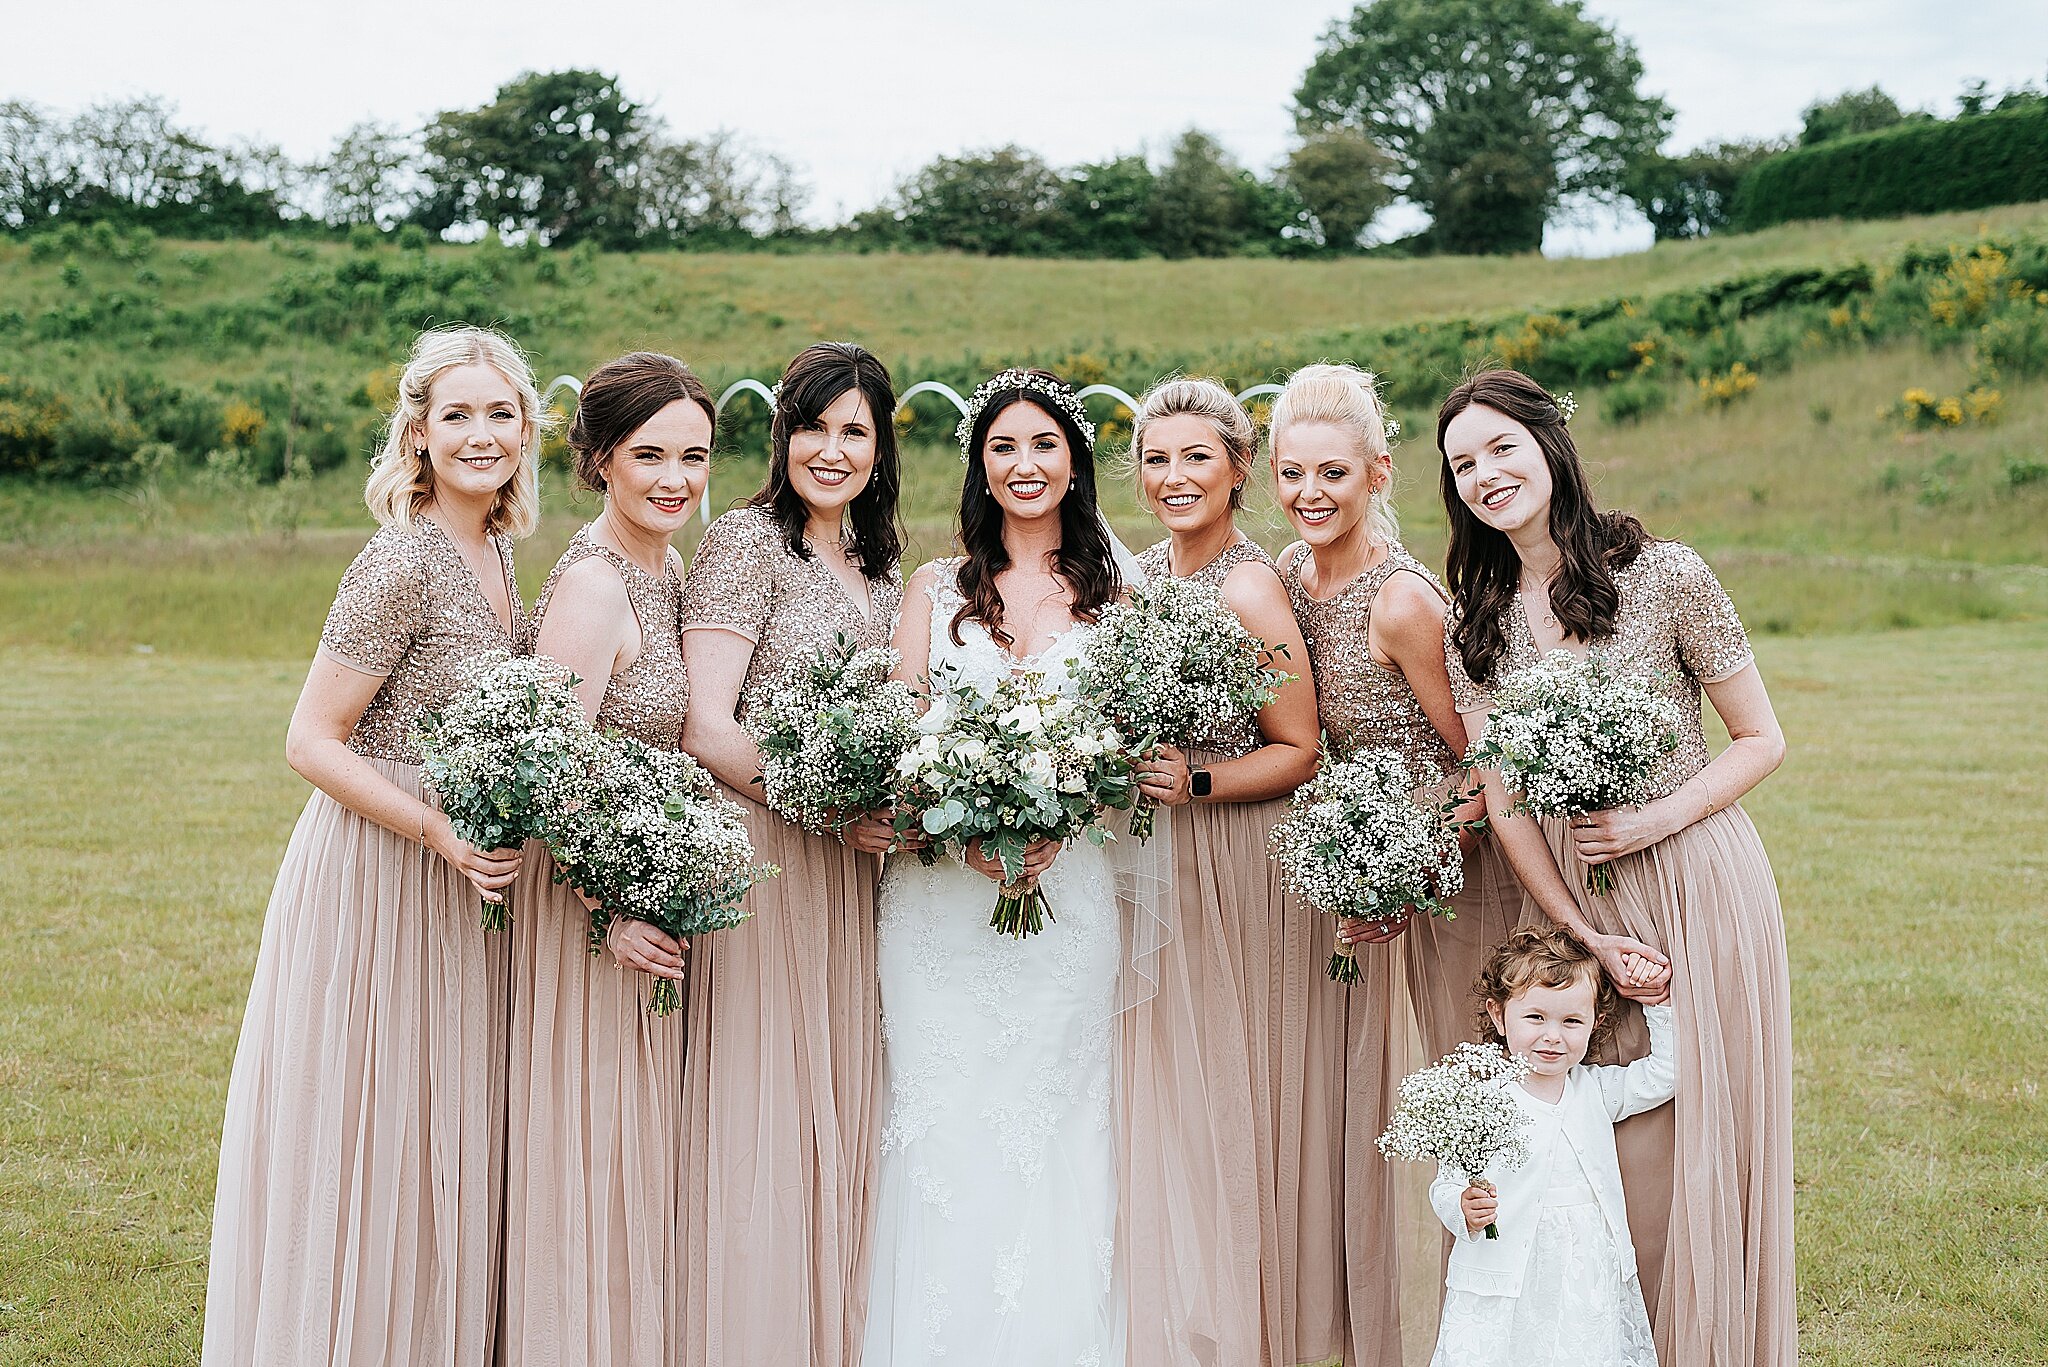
column 781, row 1083
column 357, row 1214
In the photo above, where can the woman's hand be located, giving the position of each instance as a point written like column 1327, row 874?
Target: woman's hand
column 1355, row 930
column 1038, row 857
column 636, row 944
column 1480, row 1205
column 1608, row 835
column 1639, row 972
column 875, row 833
column 487, row 870
column 1164, row 778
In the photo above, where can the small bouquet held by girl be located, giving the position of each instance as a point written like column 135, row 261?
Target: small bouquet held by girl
column 645, row 834
column 1360, row 841
column 1572, row 736
column 493, row 754
column 1458, row 1112
column 1169, row 665
column 831, row 733
column 1011, row 768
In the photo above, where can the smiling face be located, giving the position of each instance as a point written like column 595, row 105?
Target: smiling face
column 1501, row 473
column 1029, row 464
column 474, row 433
column 1185, row 472
column 656, row 477
column 832, row 459
column 1550, row 1026
column 1325, row 482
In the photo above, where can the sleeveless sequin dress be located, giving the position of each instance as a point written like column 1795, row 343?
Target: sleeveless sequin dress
column 593, row 1219
column 781, row 1082
column 1708, row 1178
column 361, row 1164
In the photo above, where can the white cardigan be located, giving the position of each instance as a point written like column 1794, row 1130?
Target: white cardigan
column 1594, row 1098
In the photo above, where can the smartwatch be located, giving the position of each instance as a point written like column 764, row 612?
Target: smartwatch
column 1198, row 782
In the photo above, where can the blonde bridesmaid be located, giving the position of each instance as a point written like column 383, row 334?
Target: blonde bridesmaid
column 1232, row 1068
column 1534, row 567
column 1373, row 619
column 781, row 1080
column 593, row 1219
column 361, row 1167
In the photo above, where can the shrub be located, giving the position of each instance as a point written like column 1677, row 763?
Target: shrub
column 1634, row 399
column 29, row 418
column 2015, row 343
column 1919, row 409
column 1721, row 391
column 2021, row 471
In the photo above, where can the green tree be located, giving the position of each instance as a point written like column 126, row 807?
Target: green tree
column 1852, row 111
column 1106, row 208
column 362, row 180
column 1000, row 203
column 37, row 171
column 1343, row 178
column 1200, row 204
column 1490, row 110
column 1694, row 194
column 555, row 153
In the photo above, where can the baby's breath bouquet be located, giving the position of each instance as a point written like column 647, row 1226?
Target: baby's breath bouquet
column 493, row 754
column 1171, row 665
column 1009, row 768
column 830, row 734
column 1573, row 736
column 645, row 834
column 1459, row 1111
column 1358, row 841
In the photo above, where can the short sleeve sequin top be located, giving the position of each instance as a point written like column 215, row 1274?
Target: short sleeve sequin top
column 410, row 609
column 745, row 579
column 1231, row 737
column 1362, row 702
column 1677, row 629
column 648, row 698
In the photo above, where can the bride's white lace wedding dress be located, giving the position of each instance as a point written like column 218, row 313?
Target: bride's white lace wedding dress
column 995, row 1221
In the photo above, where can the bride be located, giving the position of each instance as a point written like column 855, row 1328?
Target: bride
column 996, row 1216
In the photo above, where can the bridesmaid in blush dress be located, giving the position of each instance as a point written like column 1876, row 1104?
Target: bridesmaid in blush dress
column 593, row 1219
column 1232, row 1069
column 784, row 1059
column 1536, row 567
column 1373, row 619
column 361, row 1163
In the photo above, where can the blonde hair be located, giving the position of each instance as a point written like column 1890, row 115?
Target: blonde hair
column 1198, row 396
column 1345, row 397
column 401, row 480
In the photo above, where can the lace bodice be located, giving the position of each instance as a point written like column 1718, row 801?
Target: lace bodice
column 976, row 658
column 647, row 699
column 1229, row 736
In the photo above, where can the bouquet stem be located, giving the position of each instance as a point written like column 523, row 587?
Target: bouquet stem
column 664, row 999
column 1020, row 911
column 497, row 915
column 1493, row 1231
column 1143, row 817
column 1344, row 964
column 1599, row 880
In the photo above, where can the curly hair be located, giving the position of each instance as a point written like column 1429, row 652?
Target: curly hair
column 1542, row 956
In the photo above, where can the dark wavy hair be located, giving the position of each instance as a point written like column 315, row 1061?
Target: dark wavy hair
column 1483, row 569
column 1084, row 559
column 617, row 400
column 814, row 381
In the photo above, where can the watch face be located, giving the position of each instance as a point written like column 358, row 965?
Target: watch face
column 1198, row 783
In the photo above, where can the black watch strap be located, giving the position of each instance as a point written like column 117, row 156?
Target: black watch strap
column 1199, row 783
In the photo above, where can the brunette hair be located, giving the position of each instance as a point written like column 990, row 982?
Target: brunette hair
column 1211, row 401
column 813, row 382
column 1543, row 956
column 1084, row 559
column 619, row 398
column 1482, row 567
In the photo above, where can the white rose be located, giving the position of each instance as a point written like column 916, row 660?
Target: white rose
column 1038, row 764
column 970, row 750
column 1024, row 717
column 1086, row 744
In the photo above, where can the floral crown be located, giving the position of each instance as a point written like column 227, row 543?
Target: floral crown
column 1061, row 394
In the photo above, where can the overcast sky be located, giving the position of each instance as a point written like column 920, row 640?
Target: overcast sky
column 859, row 93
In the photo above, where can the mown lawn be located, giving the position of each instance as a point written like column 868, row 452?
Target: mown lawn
column 144, row 803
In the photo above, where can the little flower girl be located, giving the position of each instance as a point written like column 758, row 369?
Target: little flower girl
column 1558, row 1286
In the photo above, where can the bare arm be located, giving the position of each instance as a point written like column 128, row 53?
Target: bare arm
column 1406, row 634
column 1288, row 724
column 717, row 659
column 590, row 628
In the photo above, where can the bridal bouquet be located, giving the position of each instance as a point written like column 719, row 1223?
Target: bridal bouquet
column 1009, row 768
column 493, row 754
column 1172, row 664
column 1458, row 1111
column 645, row 834
column 830, row 735
column 1356, row 841
column 1573, row 736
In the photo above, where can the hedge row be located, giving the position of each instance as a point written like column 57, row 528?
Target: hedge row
column 1914, row 168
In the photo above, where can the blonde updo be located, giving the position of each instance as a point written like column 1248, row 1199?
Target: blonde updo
column 1343, row 396
column 1207, row 399
column 401, row 479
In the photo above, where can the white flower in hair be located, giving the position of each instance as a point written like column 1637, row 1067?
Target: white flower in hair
column 1061, row 395
column 1393, row 430
column 1567, row 406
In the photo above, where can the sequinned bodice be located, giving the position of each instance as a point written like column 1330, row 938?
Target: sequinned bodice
column 410, row 609
column 648, row 698
column 745, row 579
column 1676, row 630
column 1364, row 704
column 1230, row 737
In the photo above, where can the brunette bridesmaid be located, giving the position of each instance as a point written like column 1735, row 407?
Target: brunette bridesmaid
column 1373, row 619
column 593, row 1255
column 784, row 1059
column 361, row 1167
column 1233, row 1067
column 1534, row 566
